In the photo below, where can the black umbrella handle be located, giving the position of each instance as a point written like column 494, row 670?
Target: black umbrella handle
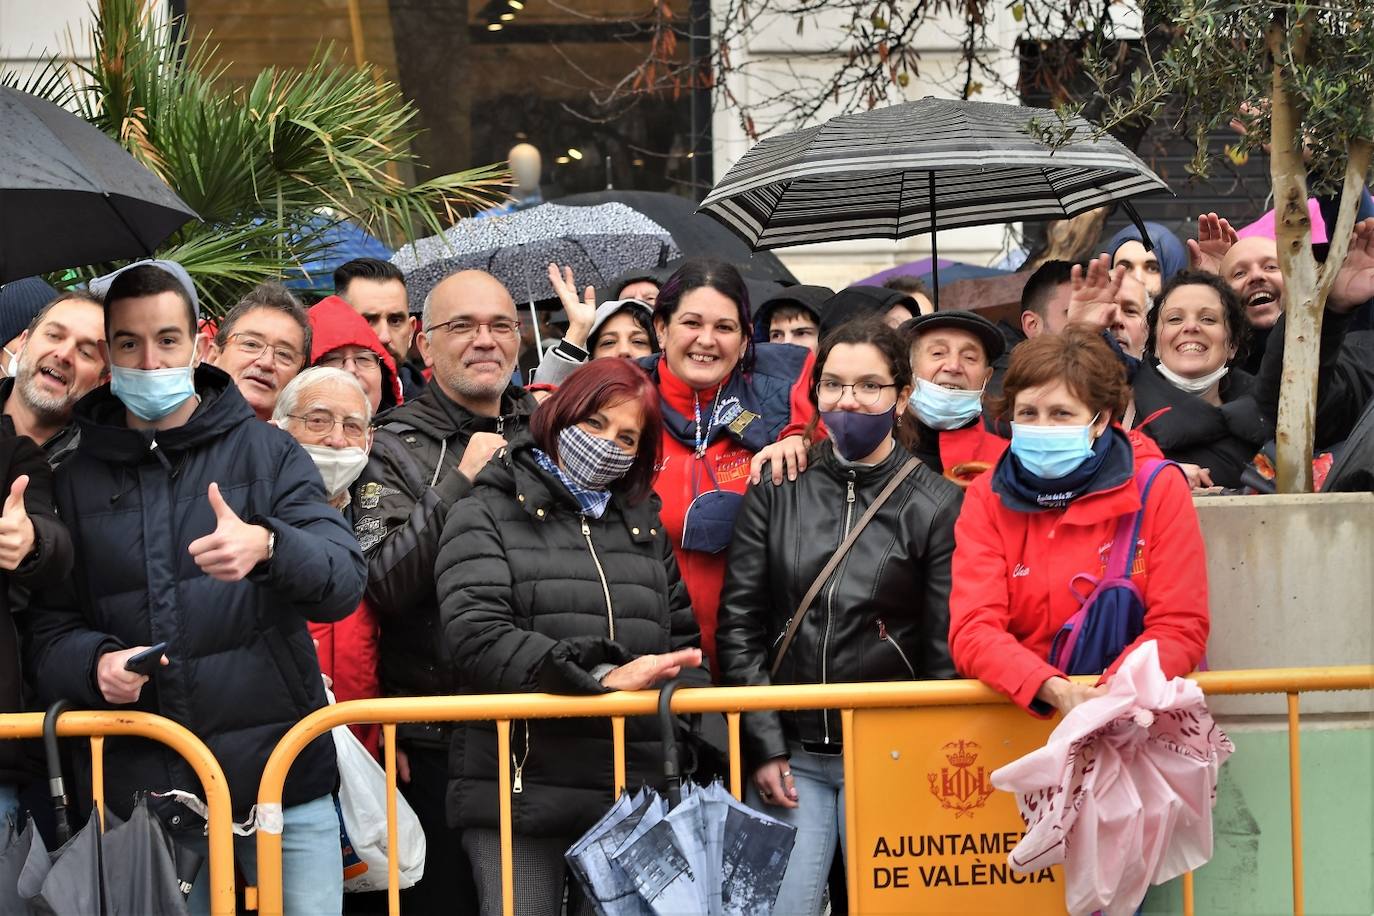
column 672, row 768
column 56, row 787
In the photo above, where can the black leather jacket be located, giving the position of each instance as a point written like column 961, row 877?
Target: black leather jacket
column 884, row 614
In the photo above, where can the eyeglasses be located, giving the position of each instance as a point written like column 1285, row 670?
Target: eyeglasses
column 251, row 345
column 366, row 360
column 466, row 328
column 320, row 423
column 830, row 391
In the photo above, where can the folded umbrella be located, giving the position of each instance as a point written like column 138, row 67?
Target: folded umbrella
column 603, row 881
column 1122, row 792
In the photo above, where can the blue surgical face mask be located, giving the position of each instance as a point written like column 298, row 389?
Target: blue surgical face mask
column 945, row 408
column 151, row 394
column 1051, row 452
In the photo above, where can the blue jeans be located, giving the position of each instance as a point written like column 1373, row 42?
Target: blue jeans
column 311, row 862
column 9, row 804
column 819, row 819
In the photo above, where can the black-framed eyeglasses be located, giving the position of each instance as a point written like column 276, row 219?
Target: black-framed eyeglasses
column 320, row 423
column 830, row 391
column 466, row 328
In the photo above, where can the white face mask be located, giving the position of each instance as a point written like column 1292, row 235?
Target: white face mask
column 339, row 467
column 12, row 366
column 1192, row 385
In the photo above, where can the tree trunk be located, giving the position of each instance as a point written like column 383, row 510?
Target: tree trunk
column 1302, row 300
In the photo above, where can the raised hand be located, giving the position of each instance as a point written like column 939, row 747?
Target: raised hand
column 1354, row 284
column 232, row 550
column 581, row 312
column 16, row 529
column 1214, row 238
column 1095, row 291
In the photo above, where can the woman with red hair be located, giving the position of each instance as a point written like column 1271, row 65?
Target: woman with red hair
column 556, row 575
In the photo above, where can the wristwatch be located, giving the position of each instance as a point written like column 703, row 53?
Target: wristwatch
column 271, row 545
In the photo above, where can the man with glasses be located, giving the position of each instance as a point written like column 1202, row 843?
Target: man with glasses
column 340, row 338
column 327, row 411
column 262, row 343
column 424, row 458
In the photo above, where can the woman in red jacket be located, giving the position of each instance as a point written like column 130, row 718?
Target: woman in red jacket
column 729, row 405
column 1049, row 513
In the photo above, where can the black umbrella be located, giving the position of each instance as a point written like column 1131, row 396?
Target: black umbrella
column 697, row 235
column 70, row 196
column 918, row 167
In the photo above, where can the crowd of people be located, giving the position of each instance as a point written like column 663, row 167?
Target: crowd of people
column 819, row 487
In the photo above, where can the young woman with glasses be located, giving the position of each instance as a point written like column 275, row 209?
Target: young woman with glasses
column 882, row 614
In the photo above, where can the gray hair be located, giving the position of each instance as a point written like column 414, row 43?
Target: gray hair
column 294, row 392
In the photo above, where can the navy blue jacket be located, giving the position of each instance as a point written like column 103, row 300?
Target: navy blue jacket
column 243, row 668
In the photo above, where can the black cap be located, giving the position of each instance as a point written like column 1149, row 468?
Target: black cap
column 993, row 341
column 862, row 302
column 808, row 297
column 20, row 301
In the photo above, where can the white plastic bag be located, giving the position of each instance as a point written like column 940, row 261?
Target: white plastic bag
column 362, row 803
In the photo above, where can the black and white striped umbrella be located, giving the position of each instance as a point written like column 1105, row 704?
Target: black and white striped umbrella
column 917, row 167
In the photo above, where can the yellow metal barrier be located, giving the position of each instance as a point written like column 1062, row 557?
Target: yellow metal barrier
column 99, row 724
column 732, row 701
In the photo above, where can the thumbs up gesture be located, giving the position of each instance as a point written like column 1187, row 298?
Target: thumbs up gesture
column 16, row 530
column 232, row 550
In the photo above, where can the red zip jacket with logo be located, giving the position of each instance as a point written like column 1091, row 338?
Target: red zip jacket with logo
column 704, row 573
column 1012, row 571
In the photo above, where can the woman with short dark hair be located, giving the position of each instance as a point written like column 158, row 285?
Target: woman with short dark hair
column 1051, row 514
column 1193, row 398
column 557, row 576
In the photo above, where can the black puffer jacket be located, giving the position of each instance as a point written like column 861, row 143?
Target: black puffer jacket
column 525, row 609
column 1222, row 439
column 49, row 562
column 400, row 504
column 243, row 668
column 883, row 616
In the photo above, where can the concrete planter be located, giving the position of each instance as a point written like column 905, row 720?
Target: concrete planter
column 1292, row 586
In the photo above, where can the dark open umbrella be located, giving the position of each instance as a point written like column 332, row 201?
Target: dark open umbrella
column 698, row 236
column 70, row 196
column 918, row 167
column 598, row 243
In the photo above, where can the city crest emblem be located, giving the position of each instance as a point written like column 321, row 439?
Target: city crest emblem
column 959, row 786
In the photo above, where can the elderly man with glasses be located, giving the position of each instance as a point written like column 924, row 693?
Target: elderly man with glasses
column 329, row 413
column 424, row 458
column 262, row 344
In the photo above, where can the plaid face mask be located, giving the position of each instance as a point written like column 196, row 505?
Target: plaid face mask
column 590, row 461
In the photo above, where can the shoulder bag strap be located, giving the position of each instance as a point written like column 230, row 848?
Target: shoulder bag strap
column 902, row 473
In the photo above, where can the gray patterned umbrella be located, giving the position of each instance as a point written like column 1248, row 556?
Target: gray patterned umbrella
column 598, row 243
column 912, row 168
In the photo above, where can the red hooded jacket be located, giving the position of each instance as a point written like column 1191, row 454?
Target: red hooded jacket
column 334, row 324
column 348, row 649
column 1012, row 570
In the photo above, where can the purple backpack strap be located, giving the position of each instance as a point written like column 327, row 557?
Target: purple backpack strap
column 1119, row 560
